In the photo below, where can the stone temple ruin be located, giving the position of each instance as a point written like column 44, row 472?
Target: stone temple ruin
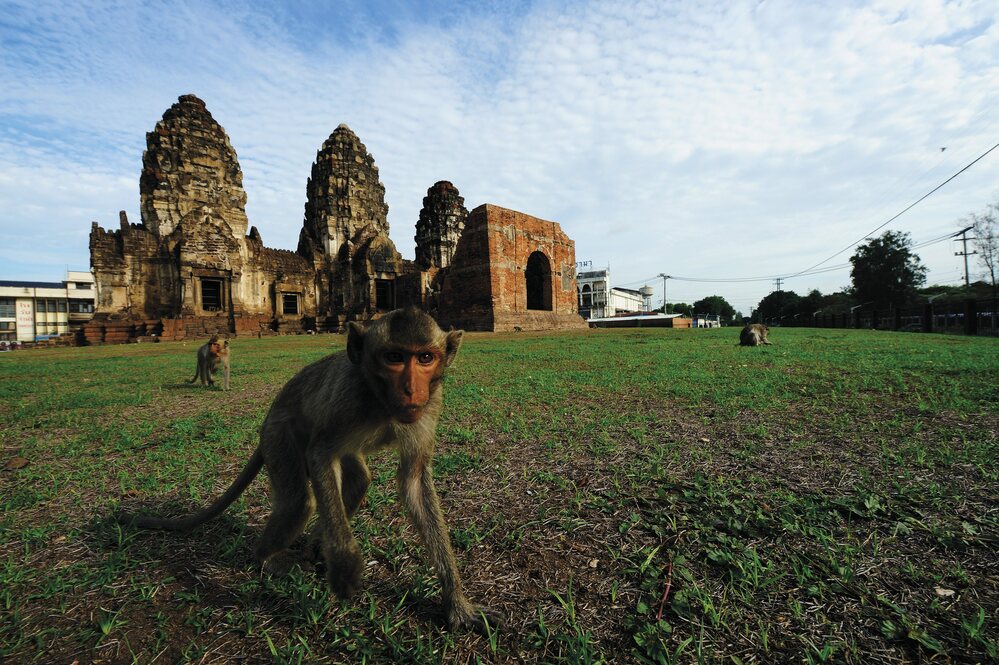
column 193, row 267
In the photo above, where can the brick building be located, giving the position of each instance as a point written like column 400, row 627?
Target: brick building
column 511, row 271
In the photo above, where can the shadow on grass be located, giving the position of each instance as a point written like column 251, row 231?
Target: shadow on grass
column 190, row 387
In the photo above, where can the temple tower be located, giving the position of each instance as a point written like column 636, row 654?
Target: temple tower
column 189, row 164
column 441, row 222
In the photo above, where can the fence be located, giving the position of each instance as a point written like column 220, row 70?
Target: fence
column 968, row 317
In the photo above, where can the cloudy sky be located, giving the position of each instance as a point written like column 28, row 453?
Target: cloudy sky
column 705, row 140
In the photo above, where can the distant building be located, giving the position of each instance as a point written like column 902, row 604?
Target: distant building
column 36, row 311
column 598, row 299
column 651, row 320
column 625, row 301
column 594, row 293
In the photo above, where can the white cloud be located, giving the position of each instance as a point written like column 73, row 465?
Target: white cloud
column 725, row 139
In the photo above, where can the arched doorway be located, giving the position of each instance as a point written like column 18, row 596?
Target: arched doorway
column 539, row 282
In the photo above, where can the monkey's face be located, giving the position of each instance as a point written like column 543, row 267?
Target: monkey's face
column 409, row 376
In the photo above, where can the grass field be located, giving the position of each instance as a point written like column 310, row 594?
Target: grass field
column 651, row 496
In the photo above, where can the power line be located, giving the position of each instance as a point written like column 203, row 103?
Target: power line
column 773, row 278
column 812, row 270
column 905, row 210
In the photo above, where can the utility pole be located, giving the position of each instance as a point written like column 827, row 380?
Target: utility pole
column 665, row 300
column 778, row 281
column 965, row 253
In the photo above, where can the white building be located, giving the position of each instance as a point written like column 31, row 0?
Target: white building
column 598, row 299
column 35, row 311
column 625, row 301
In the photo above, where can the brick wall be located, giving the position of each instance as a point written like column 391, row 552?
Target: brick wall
column 486, row 286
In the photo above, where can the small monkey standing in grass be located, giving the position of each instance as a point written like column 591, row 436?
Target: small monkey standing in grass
column 754, row 334
column 210, row 355
column 384, row 391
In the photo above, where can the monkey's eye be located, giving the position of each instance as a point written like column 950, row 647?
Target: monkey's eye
column 425, row 358
column 393, row 357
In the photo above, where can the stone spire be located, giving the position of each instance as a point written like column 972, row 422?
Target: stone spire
column 345, row 200
column 188, row 164
column 441, row 222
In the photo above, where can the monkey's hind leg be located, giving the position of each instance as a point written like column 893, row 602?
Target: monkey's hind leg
column 293, row 504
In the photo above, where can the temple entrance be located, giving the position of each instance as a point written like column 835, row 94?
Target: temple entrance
column 539, row 282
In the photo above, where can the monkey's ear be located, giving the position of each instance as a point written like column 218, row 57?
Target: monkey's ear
column 355, row 342
column 451, row 347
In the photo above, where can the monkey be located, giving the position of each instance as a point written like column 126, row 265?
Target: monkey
column 210, row 355
column 383, row 391
column 754, row 334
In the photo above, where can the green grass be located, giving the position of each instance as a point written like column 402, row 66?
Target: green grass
column 649, row 496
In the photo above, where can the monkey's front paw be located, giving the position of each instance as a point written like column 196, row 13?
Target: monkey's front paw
column 479, row 618
column 344, row 572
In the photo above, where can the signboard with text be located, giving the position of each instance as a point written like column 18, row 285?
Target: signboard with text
column 25, row 321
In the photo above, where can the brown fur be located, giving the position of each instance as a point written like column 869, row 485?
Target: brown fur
column 383, row 391
column 754, row 334
column 211, row 354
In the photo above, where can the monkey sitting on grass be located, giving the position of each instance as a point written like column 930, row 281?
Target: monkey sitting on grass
column 384, row 391
column 754, row 334
column 210, row 355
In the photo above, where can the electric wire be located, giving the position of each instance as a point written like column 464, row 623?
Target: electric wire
column 814, row 270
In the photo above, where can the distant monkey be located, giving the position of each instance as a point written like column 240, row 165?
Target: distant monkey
column 383, row 391
column 214, row 352
column 754, row 334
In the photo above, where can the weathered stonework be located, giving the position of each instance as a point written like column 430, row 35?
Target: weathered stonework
column 441, row 222
column 190, row 258
column 345, row 233
column 189, row 163
column 191, row 268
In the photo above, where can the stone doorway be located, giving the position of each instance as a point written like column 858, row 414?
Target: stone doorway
column 384, row 294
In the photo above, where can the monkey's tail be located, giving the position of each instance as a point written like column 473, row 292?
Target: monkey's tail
column 217, row 507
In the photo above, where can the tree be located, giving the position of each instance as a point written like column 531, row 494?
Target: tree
column 680, row 308
column 809, row 304
column 776, row 305
column 837, row 303
column 885, row 270
column 715, row 305
column 985, row 227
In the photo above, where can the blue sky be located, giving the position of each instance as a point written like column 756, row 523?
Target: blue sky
column 698, row 139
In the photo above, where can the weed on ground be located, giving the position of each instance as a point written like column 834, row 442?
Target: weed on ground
column 621, row 496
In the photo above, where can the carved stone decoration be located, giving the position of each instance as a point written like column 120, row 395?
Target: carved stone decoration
column 441, row 222
column 344, row 197
column 189, row 163
column 345, row 215
column 190, row 263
